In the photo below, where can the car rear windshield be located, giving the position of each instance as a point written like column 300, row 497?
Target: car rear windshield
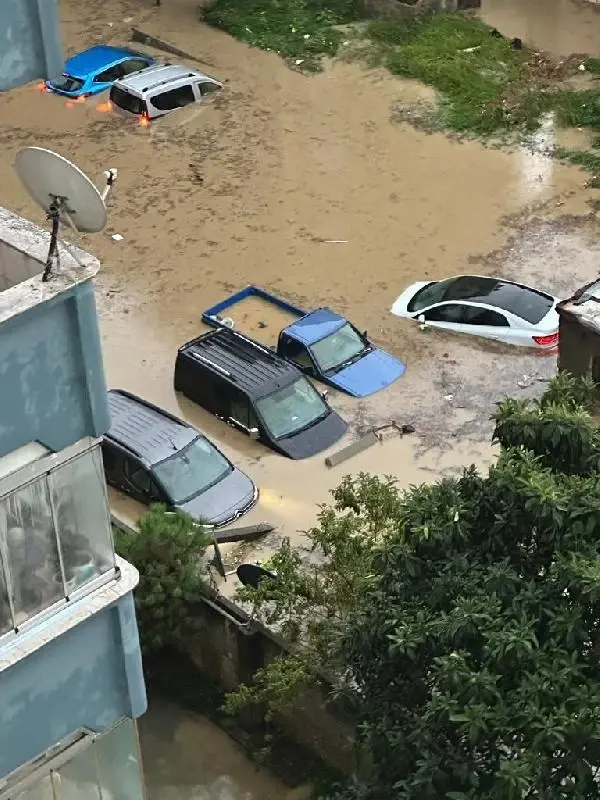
column 192, row 471
column 67, row 83
column 525, row 303
column 126, row 101
column 289, row 410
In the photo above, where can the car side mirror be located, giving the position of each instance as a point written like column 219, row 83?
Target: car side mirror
column 365, row 335
column 254, row 434
column 324, row 394
column 421, row 319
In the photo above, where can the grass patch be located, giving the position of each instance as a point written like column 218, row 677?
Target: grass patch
column 482, row 80
column 301, row 31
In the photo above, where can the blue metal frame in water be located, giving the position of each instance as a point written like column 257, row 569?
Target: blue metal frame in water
column 213, row 315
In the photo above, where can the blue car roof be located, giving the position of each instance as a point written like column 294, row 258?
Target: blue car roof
column 315, row 325
column 96, row 59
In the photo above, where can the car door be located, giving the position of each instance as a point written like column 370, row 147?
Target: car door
column 171, row 99
column 297, row 352
column 140, row 484
column 465, row 318
column 241, row 414
column 103, row 80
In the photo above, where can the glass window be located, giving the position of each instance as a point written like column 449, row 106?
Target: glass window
column 485, row 316
column 31, row 553
column 67, row 83
column 208, row 88
column 133, row 65
column 119, row 767
column 6, row 620
column 78, row 778
column 338, row 348
column 175, row 98
column 297, row 352
column 111, row 74
column 451, row 312
column 126, row 101
column 192, row 470
column 289, row 410
column 82, row 518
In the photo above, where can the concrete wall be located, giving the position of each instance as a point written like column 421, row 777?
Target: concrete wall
column 16, row 266
column 52, row 386
column 89, row 677
column 30, row 46
column 577, row 346
column 230, row 650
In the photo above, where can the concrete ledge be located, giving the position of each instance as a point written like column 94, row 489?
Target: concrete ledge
column 23, row 250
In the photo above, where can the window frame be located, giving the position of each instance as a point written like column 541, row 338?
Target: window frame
column 38, row 471
column 444, row 305
column 286, row 341
column 51, row 760
column 174, row 91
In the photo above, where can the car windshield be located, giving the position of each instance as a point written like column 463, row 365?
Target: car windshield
column 525, row 303
column 192, row 470
column 338, row 348
column 292, row 408
column 67, row 83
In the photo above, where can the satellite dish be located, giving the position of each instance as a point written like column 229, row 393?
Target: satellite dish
column 65, row 193
column 253, row 574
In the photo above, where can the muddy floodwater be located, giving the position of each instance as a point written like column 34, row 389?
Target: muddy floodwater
column 560, row 27
column 311, row 188
column 186, row 757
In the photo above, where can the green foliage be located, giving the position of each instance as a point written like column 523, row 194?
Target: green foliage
column 468, row 625
column 309, row 602
column 472, row 84
column 167, row 550
column 299, row 30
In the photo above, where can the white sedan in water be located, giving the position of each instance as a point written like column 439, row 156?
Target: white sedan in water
column 489, row 307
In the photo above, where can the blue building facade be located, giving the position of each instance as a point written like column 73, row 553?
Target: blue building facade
column 30, row 45
column 71, row 679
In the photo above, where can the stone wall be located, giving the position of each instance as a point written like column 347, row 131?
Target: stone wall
column 230, row 647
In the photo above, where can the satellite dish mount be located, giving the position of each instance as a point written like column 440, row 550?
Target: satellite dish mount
column 66, row 194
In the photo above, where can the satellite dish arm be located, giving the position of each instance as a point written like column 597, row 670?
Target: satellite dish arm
column 110, row 176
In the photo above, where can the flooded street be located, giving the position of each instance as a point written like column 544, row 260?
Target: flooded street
column 186, row 757
column 560, row 27
column 306, row 186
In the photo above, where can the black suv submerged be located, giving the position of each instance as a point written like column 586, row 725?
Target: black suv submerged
column 258, row 392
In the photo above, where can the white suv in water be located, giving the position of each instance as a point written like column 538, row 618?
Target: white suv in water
column 155, row 91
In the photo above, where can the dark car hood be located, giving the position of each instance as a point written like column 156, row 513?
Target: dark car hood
column 374, row 371
column 230, row 497
column 315, row 439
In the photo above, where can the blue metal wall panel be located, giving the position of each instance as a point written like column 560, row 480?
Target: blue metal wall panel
column 89, row 677
column 52, row 385
column 30, row 45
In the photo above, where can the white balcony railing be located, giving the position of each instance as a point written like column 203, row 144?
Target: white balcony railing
column 55, row 534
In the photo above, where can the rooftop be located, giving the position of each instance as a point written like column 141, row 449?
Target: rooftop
column 23, row 249
column 584, row 306
column 158, row 75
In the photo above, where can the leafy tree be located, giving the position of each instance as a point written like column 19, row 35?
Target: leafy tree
column 168, row 551
column 471, row 635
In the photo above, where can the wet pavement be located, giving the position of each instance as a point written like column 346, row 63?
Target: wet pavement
column 252, row 189
column 186, row 757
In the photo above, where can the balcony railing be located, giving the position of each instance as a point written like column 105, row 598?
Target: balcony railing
column 55, row 534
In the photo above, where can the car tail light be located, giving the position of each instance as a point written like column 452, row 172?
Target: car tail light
column 546, row 341
column 144, row 119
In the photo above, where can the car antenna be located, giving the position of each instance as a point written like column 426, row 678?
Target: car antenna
column 66, row 194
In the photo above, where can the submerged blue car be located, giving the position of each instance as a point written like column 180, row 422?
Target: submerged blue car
column 323, row 344
column 95, row 70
